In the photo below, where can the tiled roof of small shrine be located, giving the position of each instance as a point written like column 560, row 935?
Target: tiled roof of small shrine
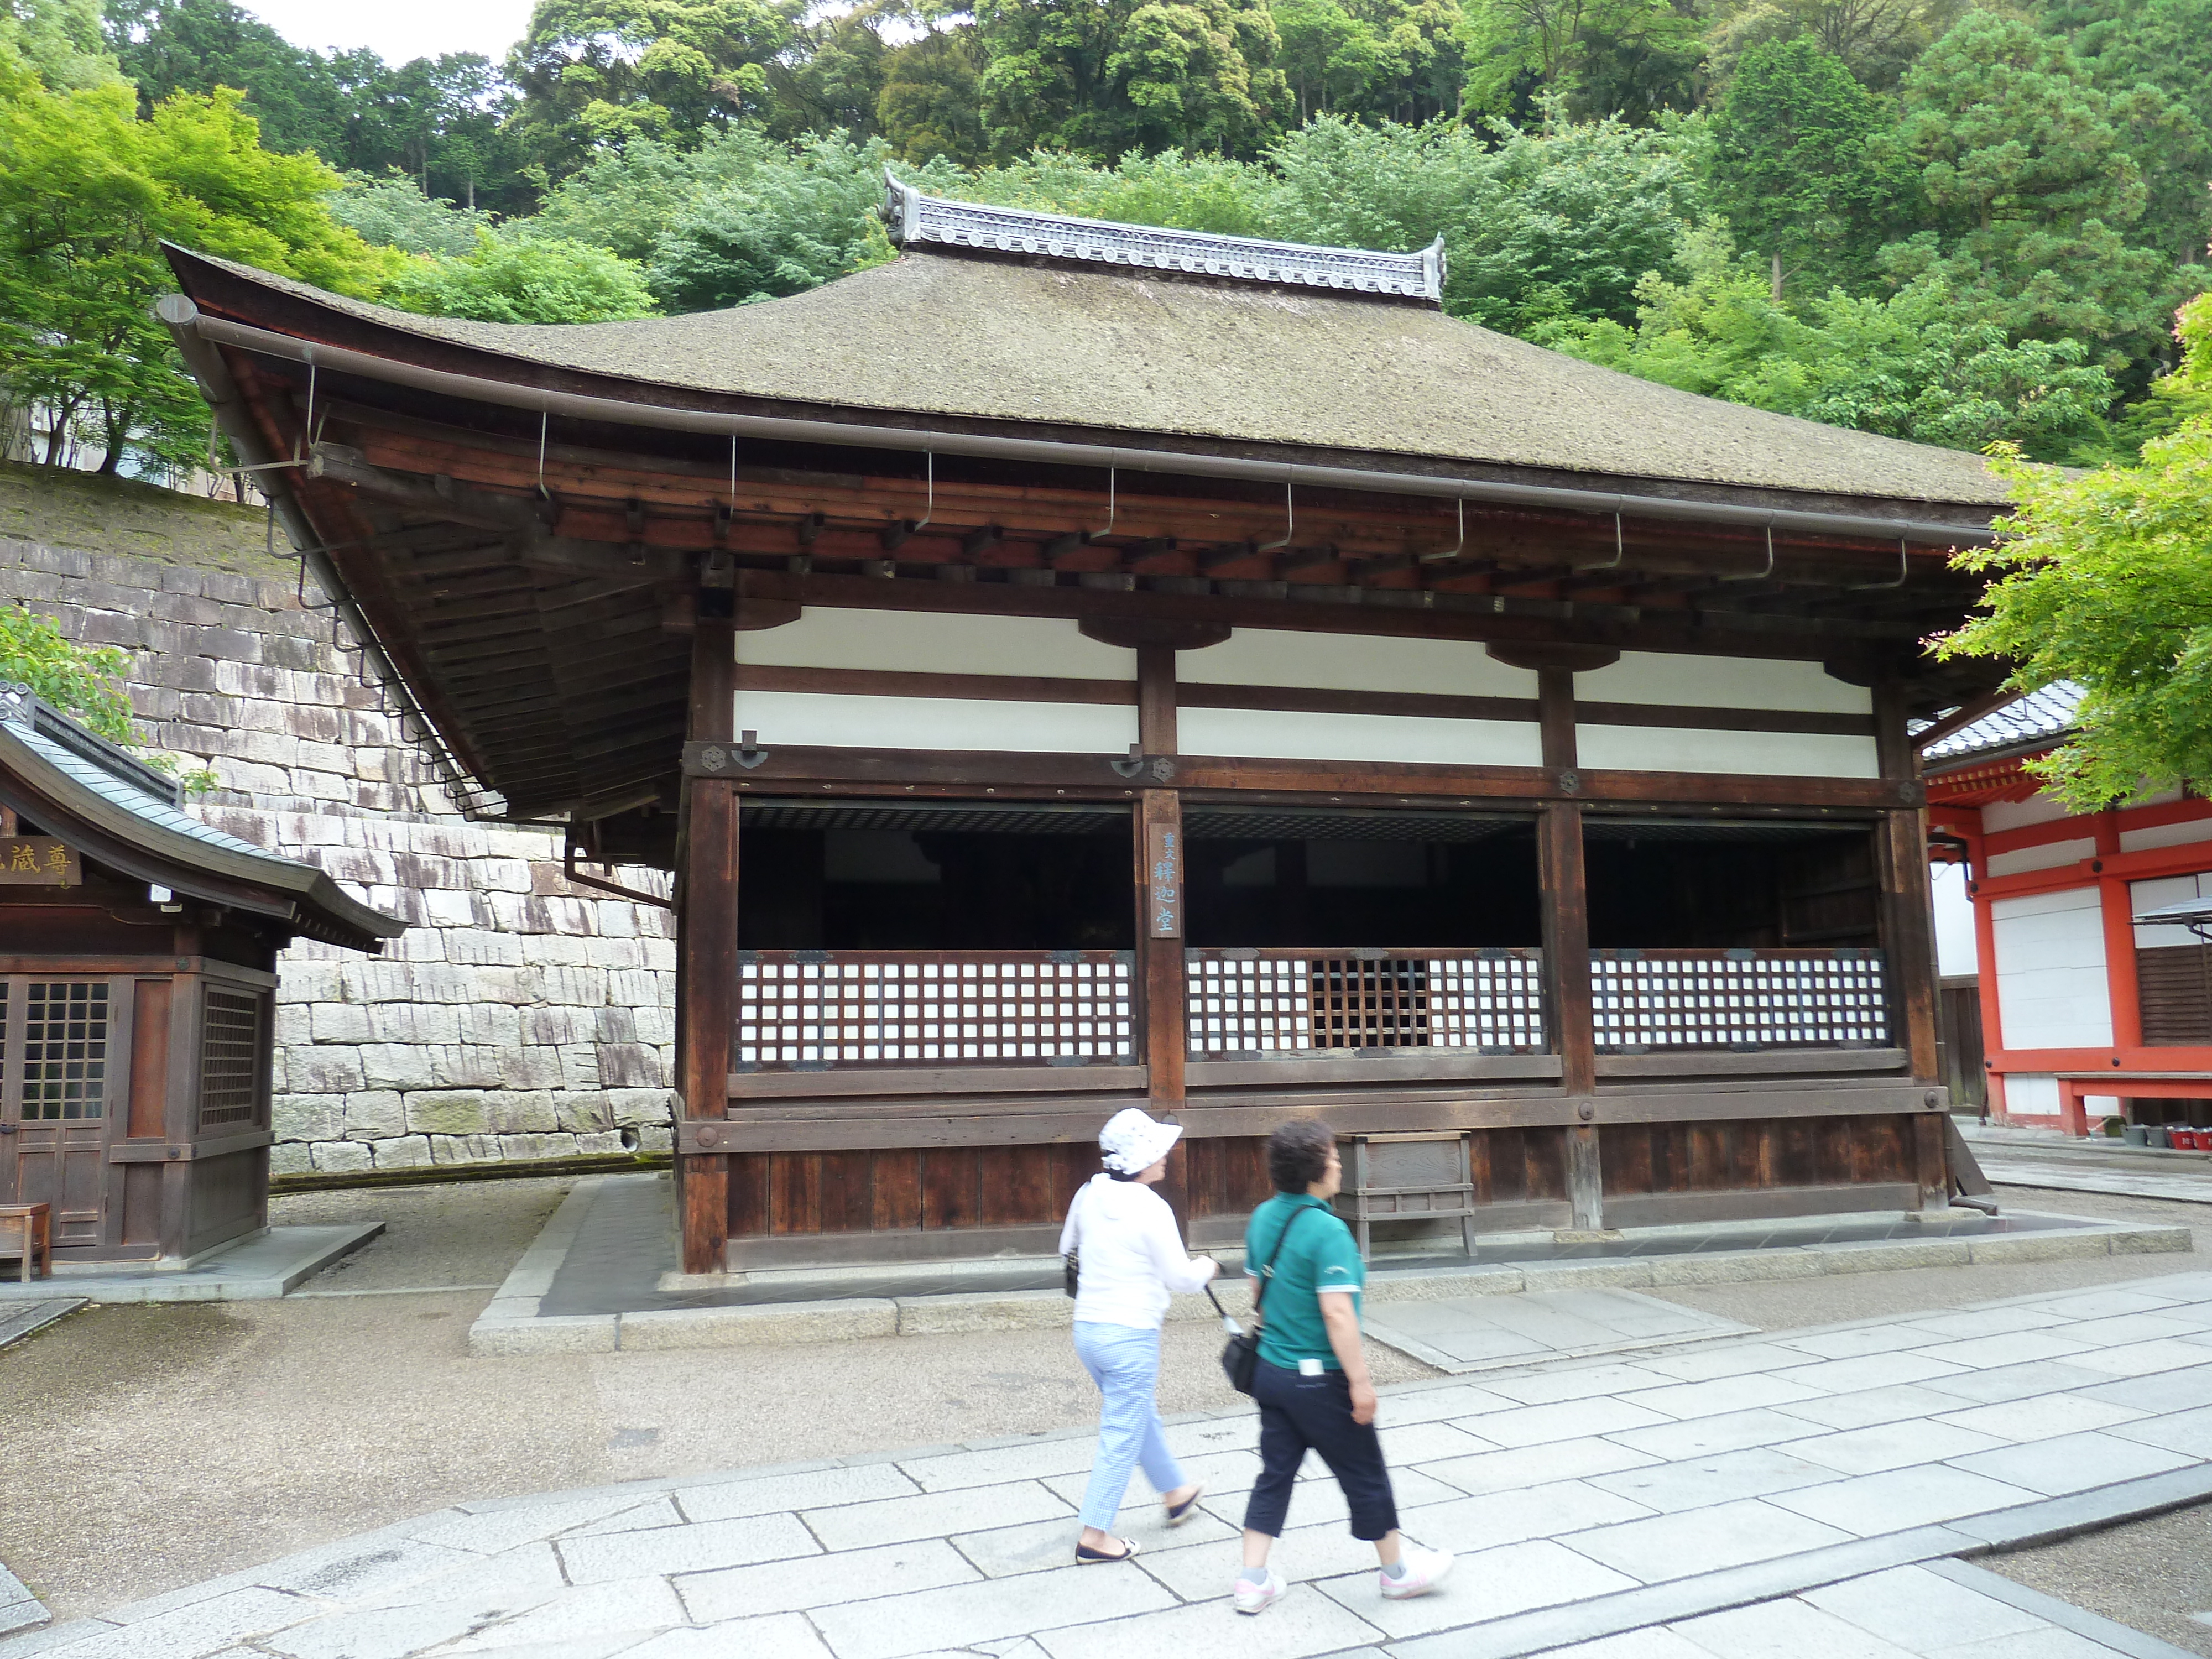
column 124, row 801
column 2040, row 716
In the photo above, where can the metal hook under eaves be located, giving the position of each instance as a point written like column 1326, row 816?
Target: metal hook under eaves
column 1902, row 570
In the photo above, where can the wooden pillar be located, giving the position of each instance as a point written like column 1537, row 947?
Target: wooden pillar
column 1159, row 896
column 707, row 951
column 1908, row 922
column 1566, row 947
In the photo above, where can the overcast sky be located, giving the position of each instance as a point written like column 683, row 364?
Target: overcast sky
column 399, row 30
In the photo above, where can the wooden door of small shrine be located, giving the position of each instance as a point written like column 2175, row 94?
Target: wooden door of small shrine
column 57, row 1087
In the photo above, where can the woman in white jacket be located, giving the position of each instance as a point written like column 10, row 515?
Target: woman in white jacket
column 1130, row 1259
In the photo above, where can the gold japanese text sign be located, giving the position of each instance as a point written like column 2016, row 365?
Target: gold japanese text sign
column 39, row 861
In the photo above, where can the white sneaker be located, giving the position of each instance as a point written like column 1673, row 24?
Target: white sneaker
column 1424, row 1571
column 1255, row 1598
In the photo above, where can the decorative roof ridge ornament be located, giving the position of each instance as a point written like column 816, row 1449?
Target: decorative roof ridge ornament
column 20, row 706
column 915, row 219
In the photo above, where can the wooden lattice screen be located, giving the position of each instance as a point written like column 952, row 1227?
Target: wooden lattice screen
column 798, row 1010
column 1274, row 1002
column 1738, row 999
column 230, row 1049
column 64, row 1050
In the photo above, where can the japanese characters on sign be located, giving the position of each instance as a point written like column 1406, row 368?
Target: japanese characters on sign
column 1164, row 881
column 39, row 861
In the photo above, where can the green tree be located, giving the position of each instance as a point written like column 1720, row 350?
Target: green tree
column 87, row 193
column 1627, row 58
column 2030, row 188
column 1182, row 193
column 1151, row 75
column 930, row 104
column 1909, row 366
column 784, row 228
column 392, row 211
column 1801, row 164
column 61, row 41
column 2106, row 580
column 832, row 78
column 522, row 278
column 84, row 680
column 597, row 75
column 1877, row 40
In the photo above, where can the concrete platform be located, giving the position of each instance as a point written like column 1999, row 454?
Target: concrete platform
column 1463, row 1334
column 21, row 1318
column 594, row 1281
column 19, row 1608
column 254, row 1270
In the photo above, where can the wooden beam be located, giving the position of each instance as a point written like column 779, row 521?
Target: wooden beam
column 706, row 942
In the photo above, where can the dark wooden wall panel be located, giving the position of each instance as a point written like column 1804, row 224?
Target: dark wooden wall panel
column 1744, row 1155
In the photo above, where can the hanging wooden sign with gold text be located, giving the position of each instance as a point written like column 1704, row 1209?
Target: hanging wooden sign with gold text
column 39, row 861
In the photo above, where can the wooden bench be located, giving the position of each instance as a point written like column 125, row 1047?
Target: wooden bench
column 2074, row 1087
column 28, row 1226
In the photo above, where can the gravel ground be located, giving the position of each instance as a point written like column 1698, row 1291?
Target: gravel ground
column 175, row 1443
column 2155, row 1575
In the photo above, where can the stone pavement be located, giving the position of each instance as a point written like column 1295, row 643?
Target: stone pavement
column 276, row 1261
column 1619, row 1505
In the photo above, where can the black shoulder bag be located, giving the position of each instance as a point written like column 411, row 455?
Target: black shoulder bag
column 1240, row 1355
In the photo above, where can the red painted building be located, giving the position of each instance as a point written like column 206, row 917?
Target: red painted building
column 2088, row 1009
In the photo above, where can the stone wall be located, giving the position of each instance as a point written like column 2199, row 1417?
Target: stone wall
column 519, row 1017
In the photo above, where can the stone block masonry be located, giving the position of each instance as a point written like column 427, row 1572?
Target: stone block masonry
column 519, row 1017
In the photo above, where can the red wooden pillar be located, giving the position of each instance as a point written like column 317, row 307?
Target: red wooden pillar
column 1160, row 864
column 707, row 957
column 1566, row 946
column 2117, row 906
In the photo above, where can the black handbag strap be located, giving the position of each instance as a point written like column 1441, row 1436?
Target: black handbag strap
column 1267, row 1273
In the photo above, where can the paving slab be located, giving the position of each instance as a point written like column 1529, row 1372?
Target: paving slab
column 256, row 1269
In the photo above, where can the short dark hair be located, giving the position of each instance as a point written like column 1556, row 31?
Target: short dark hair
column 1298, row 1154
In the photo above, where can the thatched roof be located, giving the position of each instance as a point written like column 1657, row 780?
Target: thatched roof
column 1233, row 364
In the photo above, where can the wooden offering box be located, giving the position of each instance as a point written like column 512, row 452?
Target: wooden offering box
column 137, row 958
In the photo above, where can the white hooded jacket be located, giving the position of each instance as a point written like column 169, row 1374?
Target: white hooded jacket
column 1132, row 1256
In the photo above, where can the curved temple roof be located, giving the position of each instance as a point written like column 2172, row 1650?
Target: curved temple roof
column 1068, row 345
column 90, row 793
column 915, row 219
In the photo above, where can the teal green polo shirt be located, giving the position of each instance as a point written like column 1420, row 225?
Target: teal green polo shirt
column 1320, row 1256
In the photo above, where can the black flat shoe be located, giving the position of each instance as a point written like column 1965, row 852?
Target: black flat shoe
column 1179, row 1513
column 1087, row 1557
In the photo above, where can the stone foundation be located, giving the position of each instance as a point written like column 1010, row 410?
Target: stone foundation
column 519, row 1017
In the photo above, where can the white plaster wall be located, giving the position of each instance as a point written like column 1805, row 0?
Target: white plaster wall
column 1262, row 734
column 2019, row 814
column 2049, row 856
column 1354, row 662
column 1766, row 754
column 1723, row 683
column 2051, row 988
column 806, row 720
column 2031, row 1094
column 1957, row 950
column 906, row 642
column 2165, row 834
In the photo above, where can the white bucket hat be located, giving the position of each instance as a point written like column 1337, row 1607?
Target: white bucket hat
column 1132, row 1141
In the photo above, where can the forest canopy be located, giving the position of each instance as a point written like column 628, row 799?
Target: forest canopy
column 1944, row 221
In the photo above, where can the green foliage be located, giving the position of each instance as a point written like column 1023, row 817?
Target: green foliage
column 1627, row 58
column 1109, row 75
column 59, row 41
column 515, row 278
column 1801, row 166
column 2105, row 578
column 931, row 101
column 392, row 211
column 1875, row 39
column 2028, row 186
column 87, row 193
column 596, row 74
column 784, row 229
column 1183, row 193
column 80, row 680
column 1910, row 366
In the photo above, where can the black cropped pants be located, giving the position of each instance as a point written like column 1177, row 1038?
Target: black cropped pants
column 1302, row 1414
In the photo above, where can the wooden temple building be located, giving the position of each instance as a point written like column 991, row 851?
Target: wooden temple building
column 1075, row 665
column 137, row 973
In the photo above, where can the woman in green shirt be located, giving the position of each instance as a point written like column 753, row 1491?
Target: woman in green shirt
column 1311, row 1381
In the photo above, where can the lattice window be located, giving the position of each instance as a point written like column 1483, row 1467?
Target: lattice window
column 64, row 1050
column 808, row 1008
column 1740, row 999
column 1263, row 1003
column 230, row 1058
